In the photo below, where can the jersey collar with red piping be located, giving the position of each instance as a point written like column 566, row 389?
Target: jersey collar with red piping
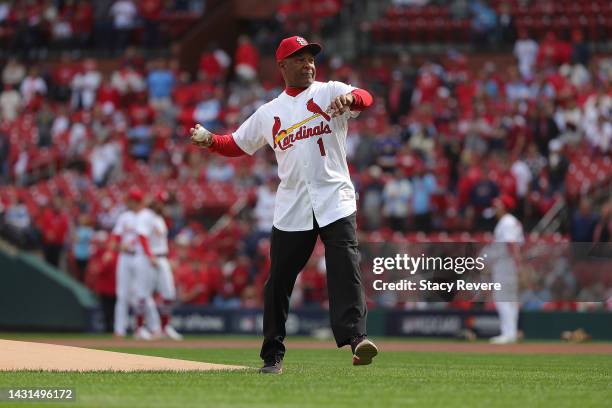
column 294, row 90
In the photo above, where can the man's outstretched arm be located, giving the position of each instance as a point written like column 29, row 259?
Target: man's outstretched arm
column 225, row 145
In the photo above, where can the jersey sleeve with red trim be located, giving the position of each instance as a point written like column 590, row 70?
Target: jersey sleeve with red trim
column 145, row 244
column 362, row 99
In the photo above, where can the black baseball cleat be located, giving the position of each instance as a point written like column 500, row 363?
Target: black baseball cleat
column 363, row 351
column 272, row 367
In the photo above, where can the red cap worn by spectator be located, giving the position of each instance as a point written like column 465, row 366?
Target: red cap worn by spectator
column 291, row 45
column 135, row 194
column 507, row 201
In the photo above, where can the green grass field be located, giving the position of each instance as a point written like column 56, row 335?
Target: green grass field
column 325, row 378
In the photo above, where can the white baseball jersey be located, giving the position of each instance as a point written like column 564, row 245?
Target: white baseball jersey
column 508, row 229
column 126, row 229
column 310, row 149
column 154, row 228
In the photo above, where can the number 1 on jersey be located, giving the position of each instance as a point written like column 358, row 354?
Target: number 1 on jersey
column 321, row 147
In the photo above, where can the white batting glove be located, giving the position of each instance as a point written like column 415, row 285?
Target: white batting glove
column 200, row 136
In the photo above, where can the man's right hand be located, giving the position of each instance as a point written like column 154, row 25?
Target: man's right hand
column 200, row 136
column 154, row 262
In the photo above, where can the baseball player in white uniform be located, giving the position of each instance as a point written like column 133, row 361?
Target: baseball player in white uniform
column 153, row 269
column 315, row 198
column 508, row 235
column 125, row 240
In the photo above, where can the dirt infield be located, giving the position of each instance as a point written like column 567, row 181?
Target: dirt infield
column 384, row 345
column 22, row 355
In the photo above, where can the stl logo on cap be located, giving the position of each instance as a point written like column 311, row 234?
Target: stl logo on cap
column 291, row 45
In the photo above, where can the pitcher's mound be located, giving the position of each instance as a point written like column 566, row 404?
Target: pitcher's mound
column 21, row 355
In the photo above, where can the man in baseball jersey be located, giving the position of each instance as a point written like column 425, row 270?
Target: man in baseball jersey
column 315, row 197
column 508, row 235
column 125, row 240
column 153, row 269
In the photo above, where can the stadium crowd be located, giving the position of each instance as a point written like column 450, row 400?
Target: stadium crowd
column 35, row 27
column 489, row 24
column 443, row 139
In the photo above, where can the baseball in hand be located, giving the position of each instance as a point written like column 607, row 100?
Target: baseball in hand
column 200, row 136
column 341, row 104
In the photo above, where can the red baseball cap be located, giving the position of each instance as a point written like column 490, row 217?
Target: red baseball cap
column 135, row 194
column 507, row 201
column 293, row 44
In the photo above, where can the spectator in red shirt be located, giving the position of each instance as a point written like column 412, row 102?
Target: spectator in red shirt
column 505, row 179
column 466, row 91
column 192, row 283
column 102, row 268
column 61, row 77
column 427, row 84
column 140, row 112
column 128, row 81
column 312, row 282
column 554, row 50
column 235, row 277
column 54, row 225
column 246, row 59
column 188, row 93
column 213, row 63
column 240, row 274
column 108, row 96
